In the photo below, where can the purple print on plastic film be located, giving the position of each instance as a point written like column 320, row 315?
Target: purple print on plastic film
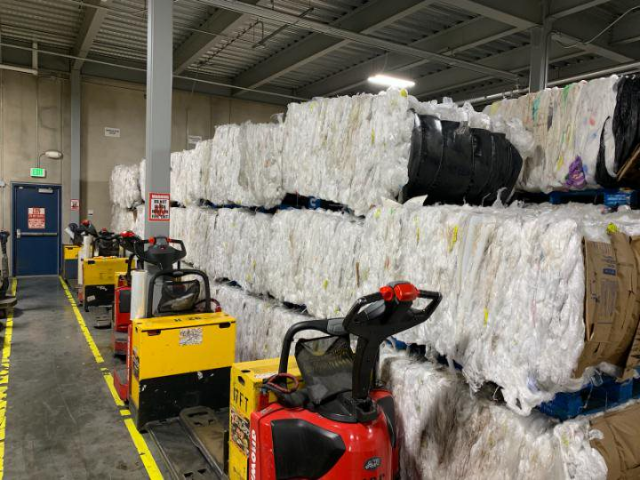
column 575, row 177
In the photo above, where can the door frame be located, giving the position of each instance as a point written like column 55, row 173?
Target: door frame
column 14, row 188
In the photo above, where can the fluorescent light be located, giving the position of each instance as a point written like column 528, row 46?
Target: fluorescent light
column 389, row 81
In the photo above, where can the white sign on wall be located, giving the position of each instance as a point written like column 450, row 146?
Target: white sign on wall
column 111, row 132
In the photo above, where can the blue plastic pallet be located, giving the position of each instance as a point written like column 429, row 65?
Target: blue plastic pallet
column 610, row 197
column 591, row 399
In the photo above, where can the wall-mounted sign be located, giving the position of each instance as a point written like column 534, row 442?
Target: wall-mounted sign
column 159, row 207
column 75, row 204
column 38, row 172
column 192, row 140
column 111, row 132
column 36, row 219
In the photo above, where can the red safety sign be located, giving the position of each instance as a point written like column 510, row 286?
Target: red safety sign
column 75, row 204
column 36, row 218
column 159, row 207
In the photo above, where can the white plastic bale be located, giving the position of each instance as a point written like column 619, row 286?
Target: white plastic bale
column 142, row 179
column 260, row 324
column 124, row 188
column 139, row 224
column 512, row 278
column 567, row 126
column 352, row 150
column 122, row 219
column 448, row 434
column 179, row 172
column 260, row 172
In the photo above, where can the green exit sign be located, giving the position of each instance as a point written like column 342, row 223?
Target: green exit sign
column 38, row 172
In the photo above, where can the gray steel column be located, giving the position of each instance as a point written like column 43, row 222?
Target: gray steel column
column 158, row 121
column 539, row 64
column 74, row 188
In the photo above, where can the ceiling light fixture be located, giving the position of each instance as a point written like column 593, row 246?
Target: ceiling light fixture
column 389, row 81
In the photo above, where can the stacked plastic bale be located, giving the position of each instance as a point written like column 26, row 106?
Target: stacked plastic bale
column 450, row 433
column 138, row 227
column 122, row 219
column 260, row 323
column 350, row 150
column 573, row 130
column 523, row 331
column 124, row 193
column 245, row 168
column 189, row 173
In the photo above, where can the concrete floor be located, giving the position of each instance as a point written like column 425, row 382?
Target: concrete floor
column 62, row 421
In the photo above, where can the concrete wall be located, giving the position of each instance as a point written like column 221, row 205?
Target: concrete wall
column 35, row 116
column 122, row 105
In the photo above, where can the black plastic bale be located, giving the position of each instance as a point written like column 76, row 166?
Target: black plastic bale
column 452, row 163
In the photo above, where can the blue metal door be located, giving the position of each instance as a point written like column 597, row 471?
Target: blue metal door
column 36, row 229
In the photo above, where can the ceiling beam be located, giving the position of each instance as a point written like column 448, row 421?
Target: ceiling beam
column 91, row 24
column 371, row 41
column 516, row 60
column 451, row 41
column 366, row 19
column 557, row 76
column 626, row 31
column 567, row 25
column 219, row 23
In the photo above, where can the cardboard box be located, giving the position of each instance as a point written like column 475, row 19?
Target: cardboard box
column 620, row 445
column 612, row 304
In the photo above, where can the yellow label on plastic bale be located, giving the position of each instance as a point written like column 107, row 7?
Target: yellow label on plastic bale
column 404, row 93
column 325, row 284
column 373, row 136
column 417, row 234
column 612, row 228
column 377, row 214
column 453, row 237
column 486, row 317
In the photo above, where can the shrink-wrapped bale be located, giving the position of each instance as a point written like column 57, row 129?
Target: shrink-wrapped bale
column 447, row 433
column 124, row 188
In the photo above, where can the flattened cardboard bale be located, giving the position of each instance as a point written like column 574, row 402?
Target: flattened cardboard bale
column 620, row 442
column 611, row 304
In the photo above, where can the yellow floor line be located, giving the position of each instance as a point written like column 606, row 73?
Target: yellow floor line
column 4, row 377
column 138, row 440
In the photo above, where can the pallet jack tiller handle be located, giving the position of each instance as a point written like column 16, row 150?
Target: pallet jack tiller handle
column 372, row 319
column 160, row 253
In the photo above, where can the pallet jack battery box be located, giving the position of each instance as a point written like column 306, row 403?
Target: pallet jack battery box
column 246, row 396
column 179, row 362
column 70, row 262
column 99, row 279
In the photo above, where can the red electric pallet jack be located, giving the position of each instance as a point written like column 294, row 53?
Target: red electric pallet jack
column 340, row 425
column 121, row 314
